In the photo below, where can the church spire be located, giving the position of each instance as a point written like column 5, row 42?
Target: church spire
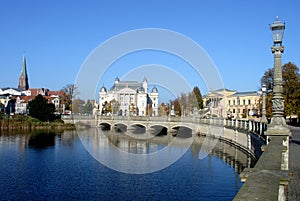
column 23, row 80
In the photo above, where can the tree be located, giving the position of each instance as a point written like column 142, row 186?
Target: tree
column 70, row 94
column 40, row 108
column 268, row 79
column 197, row 93
column 105, row 108
column 161, row 109
column 183, row 100
column 113, row 106
column 149, row 109
column 177, row 107
column 87, row 108
column 77, row 105
column 291, row 88
column 291, row 91
column 186, row 102
column 132, row 109
column 192, row 102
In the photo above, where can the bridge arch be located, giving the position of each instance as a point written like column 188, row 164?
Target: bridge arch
column 105, row 125
column 182, row 131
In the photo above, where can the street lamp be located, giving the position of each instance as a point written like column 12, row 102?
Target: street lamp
column 263, row 117
column 238, row 108
column 278, row 125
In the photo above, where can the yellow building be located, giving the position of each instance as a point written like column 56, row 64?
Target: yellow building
column 232, row 104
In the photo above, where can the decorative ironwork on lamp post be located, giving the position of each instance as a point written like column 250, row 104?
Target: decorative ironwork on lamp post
column 278, row 125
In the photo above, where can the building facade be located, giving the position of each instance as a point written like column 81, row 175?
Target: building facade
column 129, row 98
column 233, row 104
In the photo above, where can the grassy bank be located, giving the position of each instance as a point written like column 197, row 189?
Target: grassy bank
column 29, row 123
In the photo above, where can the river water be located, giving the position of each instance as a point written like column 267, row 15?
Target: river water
column 62, row 166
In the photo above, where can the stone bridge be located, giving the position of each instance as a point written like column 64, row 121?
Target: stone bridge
column 151, row 123
column 246, row 134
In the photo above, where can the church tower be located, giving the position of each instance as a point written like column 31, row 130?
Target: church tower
column 23, row 80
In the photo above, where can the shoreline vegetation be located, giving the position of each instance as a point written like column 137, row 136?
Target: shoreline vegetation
column 27, row 123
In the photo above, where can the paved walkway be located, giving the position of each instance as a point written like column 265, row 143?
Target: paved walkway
column 294, row 165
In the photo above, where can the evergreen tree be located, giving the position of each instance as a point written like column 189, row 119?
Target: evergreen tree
column 197, row 93
column 40, row 108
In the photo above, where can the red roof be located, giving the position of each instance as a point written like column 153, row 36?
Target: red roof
column 56, row 93
column 26, row 99
column 37, row 91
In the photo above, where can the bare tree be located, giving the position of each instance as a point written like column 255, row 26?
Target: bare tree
column 70, row 93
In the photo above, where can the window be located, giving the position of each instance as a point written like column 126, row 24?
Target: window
column 244, row 102
column 249, row 102
column 233, row 111
column 229, row 102
column 233, row 102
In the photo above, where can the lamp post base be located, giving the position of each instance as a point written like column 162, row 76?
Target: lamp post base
column 278, row 127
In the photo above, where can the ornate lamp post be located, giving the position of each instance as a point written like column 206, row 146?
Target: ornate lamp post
column 278, row 125
column 237, row 112
column 238, row 107
column 263, row 116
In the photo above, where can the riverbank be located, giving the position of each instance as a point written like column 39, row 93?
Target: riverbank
column 27, row 123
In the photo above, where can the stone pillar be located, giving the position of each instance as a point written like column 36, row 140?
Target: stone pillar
column 278, row 126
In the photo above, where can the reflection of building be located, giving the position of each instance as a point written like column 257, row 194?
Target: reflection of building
column 132, row 98
column 232, row 103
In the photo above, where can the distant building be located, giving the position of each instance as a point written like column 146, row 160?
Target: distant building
column 15, row 100
column 231, row 103
column 131, row 97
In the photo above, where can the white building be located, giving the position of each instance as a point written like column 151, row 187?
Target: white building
column 131, row 97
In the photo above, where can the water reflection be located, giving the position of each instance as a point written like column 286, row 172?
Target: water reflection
column 42, row 140
column 66, row 171
column 115, row 149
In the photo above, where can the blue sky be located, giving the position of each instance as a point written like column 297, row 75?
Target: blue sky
column 57, row 36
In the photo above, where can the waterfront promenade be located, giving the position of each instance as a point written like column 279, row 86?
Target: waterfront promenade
column 294, row 156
